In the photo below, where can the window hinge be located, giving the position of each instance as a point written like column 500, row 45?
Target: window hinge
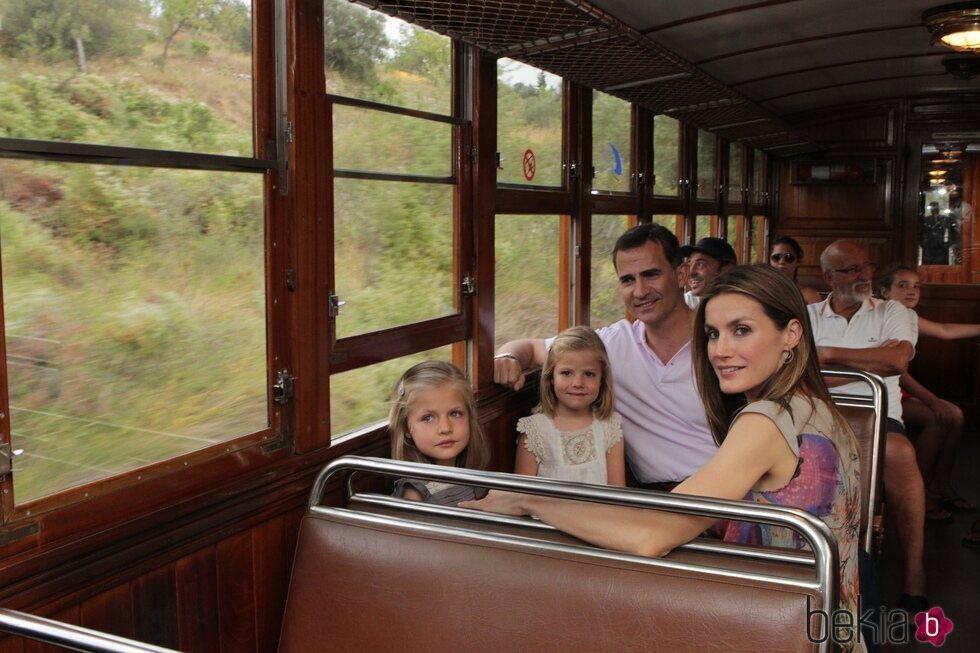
column 334, row 303
column 282, row 389
column 291, row 280
column 6, row 463
column 288, row 131
column 573, row 169
column 578, row 251
column 469, row 285
column 474, row 153
column 499, row 167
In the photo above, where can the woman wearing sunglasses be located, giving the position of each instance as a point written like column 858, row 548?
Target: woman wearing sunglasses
column 786, row 256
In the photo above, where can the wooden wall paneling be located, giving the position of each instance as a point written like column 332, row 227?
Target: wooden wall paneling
column 272, row 559
column 155, row 607
column 111, row 611
column 841, row 208
column 197, row 601
column 11, row 644
column 236, row 589
column 867, row 128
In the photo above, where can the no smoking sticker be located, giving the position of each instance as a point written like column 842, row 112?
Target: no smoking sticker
column 530, row 164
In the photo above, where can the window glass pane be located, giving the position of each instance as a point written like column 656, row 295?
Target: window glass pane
column 526, row 277
column 610, row 143
column 673, row 222
column 371, row 56
column 666, row 156
column 360, row 397
column 734, row 224
column 735, row 181
column 528, row 125
column 119, row 72
column 702, row 227
column 384, row 142
column 944, row 216
column 758, row 177
column 607, row 307
column 134, row 303
column 393, row 244
column 707, row 148
column 758, row 242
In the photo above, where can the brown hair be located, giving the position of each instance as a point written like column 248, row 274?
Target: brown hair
column 578, row 338
column 428, row 375
column 782, row 302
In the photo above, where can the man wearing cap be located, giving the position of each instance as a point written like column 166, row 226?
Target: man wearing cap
column 706, row 259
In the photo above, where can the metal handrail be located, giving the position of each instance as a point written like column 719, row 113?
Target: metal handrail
column 70, row 636
column 878, row 401
column 817, row 534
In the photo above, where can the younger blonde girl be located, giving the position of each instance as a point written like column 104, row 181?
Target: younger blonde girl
column 574, row 434
column 433, row 420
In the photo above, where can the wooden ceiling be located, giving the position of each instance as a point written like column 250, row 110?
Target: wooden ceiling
column 745, row 70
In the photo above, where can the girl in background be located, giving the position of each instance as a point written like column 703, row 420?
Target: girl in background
column 574, row 434
column 433, row 420
column 940, row 421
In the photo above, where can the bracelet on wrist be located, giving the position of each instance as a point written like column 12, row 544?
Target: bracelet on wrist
column 507, row 355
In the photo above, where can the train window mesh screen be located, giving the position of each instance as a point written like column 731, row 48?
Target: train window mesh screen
column 606, row 304
column 134, row 307
column 529, row 124
column 393, row 249
column 526, row 277
column 611, row 153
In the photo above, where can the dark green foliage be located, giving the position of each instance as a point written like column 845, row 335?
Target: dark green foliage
column 354, row 40
column 49, row 30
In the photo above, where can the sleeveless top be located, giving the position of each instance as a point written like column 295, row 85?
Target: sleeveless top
column 438, row 493
column 578, row 455
column 826, row 484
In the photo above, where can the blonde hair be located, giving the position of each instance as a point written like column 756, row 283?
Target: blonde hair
column 782, row 302
column 578, row 338
column 429, row 375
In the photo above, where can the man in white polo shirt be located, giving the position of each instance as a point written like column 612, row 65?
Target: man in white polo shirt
column 665, row 428
column 854, row 329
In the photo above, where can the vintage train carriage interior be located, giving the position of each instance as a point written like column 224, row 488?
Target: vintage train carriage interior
column 226, row 226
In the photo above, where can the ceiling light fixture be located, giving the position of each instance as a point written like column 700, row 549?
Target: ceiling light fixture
column 956, row 26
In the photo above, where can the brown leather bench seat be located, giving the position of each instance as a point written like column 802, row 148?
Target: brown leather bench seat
column 390, row 575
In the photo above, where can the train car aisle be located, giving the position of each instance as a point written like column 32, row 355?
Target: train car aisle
column 953, row 569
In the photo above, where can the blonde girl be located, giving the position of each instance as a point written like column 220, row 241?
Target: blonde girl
column 433, row 420
column 574, row 434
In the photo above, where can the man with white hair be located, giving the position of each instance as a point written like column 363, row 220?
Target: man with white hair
column 854, row 329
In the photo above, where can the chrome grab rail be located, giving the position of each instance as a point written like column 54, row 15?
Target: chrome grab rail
column 878, row 400
column 70, row 636
column 816, row 533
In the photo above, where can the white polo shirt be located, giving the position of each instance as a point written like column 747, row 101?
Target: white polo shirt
column 664, row 425
column 691, row 300
column 875, row 322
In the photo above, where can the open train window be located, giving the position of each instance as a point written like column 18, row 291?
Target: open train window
column 133, row 242
column 529, row 125
column 666, row 156
column 395, row 275
column 611, row 154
